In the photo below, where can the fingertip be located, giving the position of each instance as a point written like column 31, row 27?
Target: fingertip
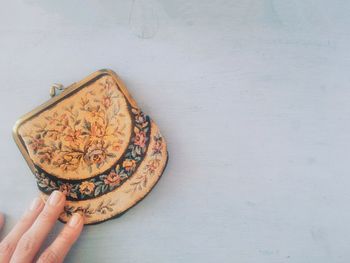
column 76, row 220
column 76, row 224
column 56, row 198
column 37, row 204
column 59, row 193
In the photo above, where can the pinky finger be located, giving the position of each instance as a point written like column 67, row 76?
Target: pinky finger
column 59, row 248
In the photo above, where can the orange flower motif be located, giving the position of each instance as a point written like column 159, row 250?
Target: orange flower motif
column 129, row 164
column 87, row 188
column 112, row 179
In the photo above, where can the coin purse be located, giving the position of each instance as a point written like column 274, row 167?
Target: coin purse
column 93, row 143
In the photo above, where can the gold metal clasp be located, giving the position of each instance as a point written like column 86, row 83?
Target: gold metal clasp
column 56, row 89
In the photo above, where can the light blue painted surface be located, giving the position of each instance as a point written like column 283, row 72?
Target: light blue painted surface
column 252, row 96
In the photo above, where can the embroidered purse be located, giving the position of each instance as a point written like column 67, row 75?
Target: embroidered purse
column 93, row 143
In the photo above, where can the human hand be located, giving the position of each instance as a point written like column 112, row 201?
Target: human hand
column 24, row 241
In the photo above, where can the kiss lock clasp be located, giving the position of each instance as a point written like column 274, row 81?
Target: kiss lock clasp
column 56, row 89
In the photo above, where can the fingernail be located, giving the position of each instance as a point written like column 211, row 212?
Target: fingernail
column 74, row 220
column 55, row 198
column 36, row 204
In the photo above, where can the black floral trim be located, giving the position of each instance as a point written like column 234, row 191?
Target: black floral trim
column 112, row 178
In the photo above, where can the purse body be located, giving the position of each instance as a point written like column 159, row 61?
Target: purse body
column 93, row 143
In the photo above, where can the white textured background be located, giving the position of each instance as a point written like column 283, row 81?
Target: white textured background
column 252, row 96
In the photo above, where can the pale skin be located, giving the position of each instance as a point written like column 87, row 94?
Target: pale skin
column 24, row 241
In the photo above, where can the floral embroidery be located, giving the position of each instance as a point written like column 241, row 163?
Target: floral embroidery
column 112, row 179
column 85, row 136
column 87, row 211
column 86, row 188
column 129, row 164
column 140, row 139
column 106, row 182
column 151, row 166
column 96, row 153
